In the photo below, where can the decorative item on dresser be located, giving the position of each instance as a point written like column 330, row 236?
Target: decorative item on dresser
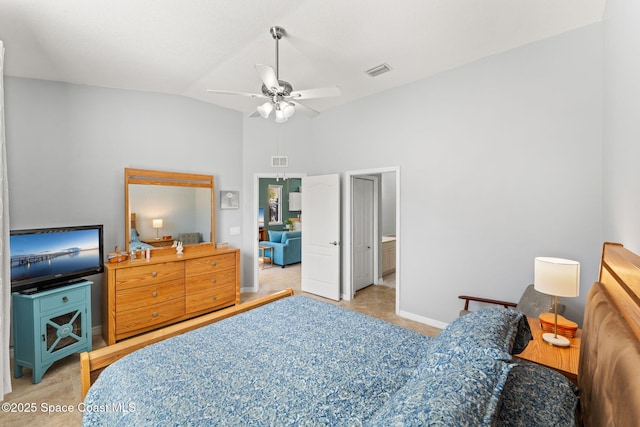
column 144, row 294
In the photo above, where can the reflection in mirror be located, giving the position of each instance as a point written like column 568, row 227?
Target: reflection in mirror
column 187, row 212
column 166, row 206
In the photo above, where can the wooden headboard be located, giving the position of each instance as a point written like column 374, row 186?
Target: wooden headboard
column 133, row 220
column 609, row 370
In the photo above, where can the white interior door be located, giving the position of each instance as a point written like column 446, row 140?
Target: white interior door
column 363, row 231
column 321, row 237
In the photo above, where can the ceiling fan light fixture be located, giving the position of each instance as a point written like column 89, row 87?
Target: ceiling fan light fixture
column 265, row 109
column 280, row 93
column 280, row 116
column 287, row 108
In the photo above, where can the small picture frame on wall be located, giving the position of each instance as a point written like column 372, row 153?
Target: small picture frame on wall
column 229, row 199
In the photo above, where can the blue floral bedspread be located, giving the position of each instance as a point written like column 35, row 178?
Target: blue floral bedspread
column 299, row 362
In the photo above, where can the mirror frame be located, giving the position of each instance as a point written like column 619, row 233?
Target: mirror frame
column 178, row 179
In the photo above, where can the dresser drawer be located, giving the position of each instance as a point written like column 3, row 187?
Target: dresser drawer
column 60, row 299
column 131, row 321
column 142, row 296
column 210, row 264
column 212, row 298
column 148, row 274
column 204, row 282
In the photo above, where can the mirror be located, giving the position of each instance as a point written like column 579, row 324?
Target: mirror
column 161, row 207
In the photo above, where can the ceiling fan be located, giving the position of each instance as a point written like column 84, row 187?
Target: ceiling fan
column 280, row 95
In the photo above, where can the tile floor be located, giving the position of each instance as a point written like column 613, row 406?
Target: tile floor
column 60, row 385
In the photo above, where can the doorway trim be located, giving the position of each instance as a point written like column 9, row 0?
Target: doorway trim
column 348, row 291
column 256, row 194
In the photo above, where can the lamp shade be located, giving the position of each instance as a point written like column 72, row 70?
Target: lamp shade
column 265, row 109
column 157, row 223
column 557, row 276
column 280, row 116
column 288, row 109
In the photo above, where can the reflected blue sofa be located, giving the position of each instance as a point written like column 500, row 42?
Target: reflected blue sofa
column 287, row 246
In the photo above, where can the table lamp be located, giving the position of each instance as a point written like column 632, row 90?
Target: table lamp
column 157, row 224
column 556, row 277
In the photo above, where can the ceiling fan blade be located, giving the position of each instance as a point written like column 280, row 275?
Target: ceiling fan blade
column 309, row 112
column 268, row 77
column 316, row 93
column 226, row 92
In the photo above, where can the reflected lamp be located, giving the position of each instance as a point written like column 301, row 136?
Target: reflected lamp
column 157, row 224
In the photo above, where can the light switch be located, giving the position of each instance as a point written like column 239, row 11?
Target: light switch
column 234, row 231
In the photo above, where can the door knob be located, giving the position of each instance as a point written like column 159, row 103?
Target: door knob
column 334, row 243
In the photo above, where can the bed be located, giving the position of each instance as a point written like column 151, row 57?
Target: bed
column 293, row 360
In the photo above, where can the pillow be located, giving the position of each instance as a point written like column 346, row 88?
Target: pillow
column 500, row 329
column 275, row 236
column 537, row 396
column 134, row 234
column 448, row 389
column 462, row 378
column 290, row 235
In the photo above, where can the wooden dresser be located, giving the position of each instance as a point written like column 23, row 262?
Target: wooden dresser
column 145, row 294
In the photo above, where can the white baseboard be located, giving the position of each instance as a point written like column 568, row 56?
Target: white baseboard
column 425, row 320
column 248, row 289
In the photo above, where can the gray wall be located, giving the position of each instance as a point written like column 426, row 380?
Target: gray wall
column 68, row 145
column 621, row 125
column 500, row 162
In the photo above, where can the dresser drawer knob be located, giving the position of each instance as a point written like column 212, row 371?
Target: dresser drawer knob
column 154, row 294
column 213, row 263
column 213, row 298
column 154, row 274
column 65, row 299
column 214, row 280
column 154, row 314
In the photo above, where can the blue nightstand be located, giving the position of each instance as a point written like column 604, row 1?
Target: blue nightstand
column 50, row 325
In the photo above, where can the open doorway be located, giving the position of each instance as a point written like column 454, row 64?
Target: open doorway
column 372, row 230
column 276, row 210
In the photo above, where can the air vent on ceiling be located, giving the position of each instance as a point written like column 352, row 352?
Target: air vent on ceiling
column 279, row 161
column 380, row 69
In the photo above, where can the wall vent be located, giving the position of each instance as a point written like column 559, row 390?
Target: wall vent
column 279, row 161
column 380, row 69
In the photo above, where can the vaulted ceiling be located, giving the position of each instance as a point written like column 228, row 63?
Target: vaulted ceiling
column 185, row 47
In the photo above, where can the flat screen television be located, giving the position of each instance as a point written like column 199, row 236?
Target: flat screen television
column 44, row 258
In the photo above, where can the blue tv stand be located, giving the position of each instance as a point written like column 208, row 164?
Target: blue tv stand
column 50, row 325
